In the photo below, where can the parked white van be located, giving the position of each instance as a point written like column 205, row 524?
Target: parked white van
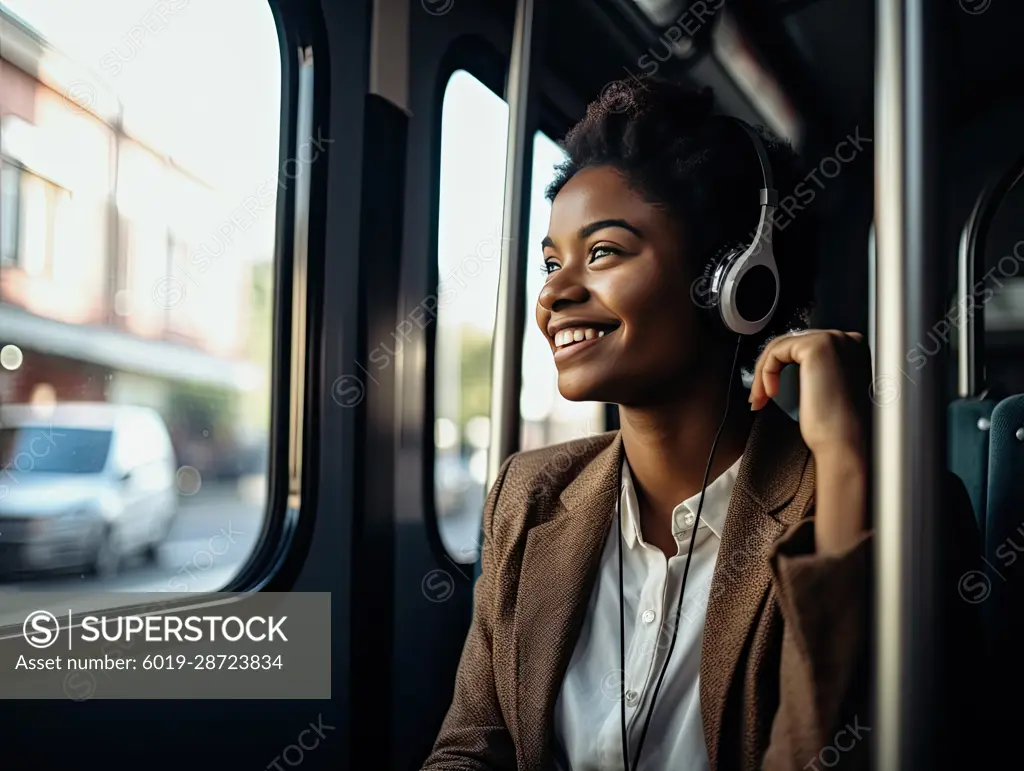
column 83, row 485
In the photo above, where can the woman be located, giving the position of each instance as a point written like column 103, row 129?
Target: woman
column 582, row 620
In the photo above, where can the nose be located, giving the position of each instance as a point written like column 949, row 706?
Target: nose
column 561, row 290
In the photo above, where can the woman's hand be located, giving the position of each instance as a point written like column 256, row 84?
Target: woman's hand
column 835, row 414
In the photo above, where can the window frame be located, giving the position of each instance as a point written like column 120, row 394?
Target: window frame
column 292, row 479
column 54, row 194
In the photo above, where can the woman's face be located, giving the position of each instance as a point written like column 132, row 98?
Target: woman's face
column 616, row 305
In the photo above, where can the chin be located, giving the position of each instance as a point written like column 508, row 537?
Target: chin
column 582, row 386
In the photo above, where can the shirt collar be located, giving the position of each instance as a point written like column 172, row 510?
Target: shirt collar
column 712, row 515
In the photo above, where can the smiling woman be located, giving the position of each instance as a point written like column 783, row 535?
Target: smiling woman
column 585, row 564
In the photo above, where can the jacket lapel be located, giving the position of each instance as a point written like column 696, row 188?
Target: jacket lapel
column 557, row 575
column 759, row 512
column 562, row 553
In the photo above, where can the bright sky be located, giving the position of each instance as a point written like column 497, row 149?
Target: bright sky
column 205, row 88
column 474, row 132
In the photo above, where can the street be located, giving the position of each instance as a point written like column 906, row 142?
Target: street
column 216, row 531
column 460, row 528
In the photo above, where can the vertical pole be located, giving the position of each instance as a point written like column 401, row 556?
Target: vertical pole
column 510, row 318
column 908, row 453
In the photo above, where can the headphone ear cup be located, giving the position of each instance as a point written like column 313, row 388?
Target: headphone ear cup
column 714, row 272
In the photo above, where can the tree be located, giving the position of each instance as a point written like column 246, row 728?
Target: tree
column 475, row 373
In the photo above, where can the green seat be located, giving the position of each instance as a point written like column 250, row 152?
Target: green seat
column 968, row 449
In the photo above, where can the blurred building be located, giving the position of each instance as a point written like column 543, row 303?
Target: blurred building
column 123, row 276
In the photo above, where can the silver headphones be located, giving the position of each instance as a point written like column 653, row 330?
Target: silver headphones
column 744, row 280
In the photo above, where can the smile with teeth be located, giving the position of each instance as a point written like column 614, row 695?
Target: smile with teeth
column 566, row 337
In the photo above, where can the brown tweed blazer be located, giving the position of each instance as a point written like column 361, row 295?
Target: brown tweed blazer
column 784, row 673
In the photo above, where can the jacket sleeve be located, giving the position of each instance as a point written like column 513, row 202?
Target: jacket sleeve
column 824, row 718
column 474, row 736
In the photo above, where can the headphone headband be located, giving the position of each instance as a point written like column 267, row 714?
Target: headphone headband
column 769, row 196
column 746, row 307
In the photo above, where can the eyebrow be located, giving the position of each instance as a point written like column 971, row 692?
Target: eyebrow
column 593, row 227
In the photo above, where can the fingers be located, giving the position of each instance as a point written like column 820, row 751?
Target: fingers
column 758, row 393
column 781, row 351
column 791, row 348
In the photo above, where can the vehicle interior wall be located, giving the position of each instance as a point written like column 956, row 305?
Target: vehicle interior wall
column 980, row 79
column 428, row 636
column 982, row 149
column 977, row 75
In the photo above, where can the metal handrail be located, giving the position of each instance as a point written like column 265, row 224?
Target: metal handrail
column 908, row 422
column 510, row 317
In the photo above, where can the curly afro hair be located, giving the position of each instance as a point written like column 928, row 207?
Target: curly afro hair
column 661, row 136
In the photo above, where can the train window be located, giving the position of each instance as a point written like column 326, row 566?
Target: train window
column 474, row 131
column 137, row 230
column 547, row 418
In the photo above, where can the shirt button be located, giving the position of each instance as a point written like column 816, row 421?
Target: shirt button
column 688, row 519
column 631, row 697
column 648, row 616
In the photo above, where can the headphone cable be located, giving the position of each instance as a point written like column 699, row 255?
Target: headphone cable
column 679, row 604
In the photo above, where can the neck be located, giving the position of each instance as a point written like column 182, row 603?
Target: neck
column 667, row 445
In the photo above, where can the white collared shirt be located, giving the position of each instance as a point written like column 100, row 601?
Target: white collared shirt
column 588, row 730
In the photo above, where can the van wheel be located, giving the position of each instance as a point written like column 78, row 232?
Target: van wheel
column 107, row 561
column 151, row 554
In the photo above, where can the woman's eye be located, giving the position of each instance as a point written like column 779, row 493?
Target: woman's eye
column 602, row 251
column 549, row 267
